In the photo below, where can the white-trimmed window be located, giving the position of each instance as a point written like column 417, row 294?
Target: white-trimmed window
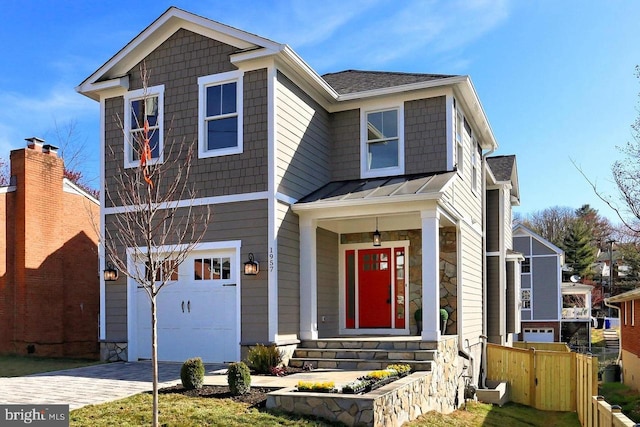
column 525, row 297
column 382, row 146
column 220, row 114
column 526, row 265
column 139, row 105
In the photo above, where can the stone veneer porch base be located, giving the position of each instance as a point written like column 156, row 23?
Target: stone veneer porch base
column 391, row 405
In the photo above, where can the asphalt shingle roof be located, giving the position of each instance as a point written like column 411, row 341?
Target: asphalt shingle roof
column 352, row 81
column 502, row 166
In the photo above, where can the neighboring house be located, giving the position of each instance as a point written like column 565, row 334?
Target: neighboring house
column 307, row 169
column 551, row 311
column 49, row 286
column 540, row 294
column 629, row 304
column 502, row 263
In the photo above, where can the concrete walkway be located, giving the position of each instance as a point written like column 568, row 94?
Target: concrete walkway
column 104, row 383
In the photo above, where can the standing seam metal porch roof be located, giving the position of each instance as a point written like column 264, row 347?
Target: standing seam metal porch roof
column 382, row 189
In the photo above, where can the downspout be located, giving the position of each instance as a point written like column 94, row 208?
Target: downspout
column 619, row 335
column 485, row 332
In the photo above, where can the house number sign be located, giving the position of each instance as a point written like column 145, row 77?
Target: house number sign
column 272, row 258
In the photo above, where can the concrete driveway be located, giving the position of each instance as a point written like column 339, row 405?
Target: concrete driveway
column 91, row 384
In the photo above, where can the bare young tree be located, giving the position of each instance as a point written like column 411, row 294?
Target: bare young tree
column 626, row 175
column 157, row 225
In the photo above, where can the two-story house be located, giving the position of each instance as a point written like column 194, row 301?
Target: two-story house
column 361, row 195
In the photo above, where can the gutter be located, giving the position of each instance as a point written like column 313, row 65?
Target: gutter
column 485, row 332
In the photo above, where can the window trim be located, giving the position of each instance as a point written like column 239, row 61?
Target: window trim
column 216, row 80
column 522, row 299
column 135, row 95
column 365, row 172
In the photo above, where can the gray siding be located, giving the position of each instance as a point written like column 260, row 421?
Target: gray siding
column 328, row 289
column 177, row 64
column 493, row 220
column 425, row 132
column 303, row 141
column 521, row 244
column 345, row 146
column 545, row 300
column 541, row 249
column 245, row 221
column 512, row 299
column 495, row 297
column 288, row 272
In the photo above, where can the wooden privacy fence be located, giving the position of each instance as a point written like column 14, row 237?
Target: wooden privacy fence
column 545, row 380
column 604, row 415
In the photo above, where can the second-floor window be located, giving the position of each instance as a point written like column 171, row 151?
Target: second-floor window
column 141, row 105
column 220, row 114
column 383, row 143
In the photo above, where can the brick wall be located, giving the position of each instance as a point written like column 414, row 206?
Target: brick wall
column 49, row 284
column 630, row 334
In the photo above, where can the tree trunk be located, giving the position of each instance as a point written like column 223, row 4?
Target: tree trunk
column 154, row 358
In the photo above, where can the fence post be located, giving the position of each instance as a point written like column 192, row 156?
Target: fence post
column 532, row 377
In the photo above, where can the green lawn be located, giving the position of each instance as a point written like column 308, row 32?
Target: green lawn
column 17, row 366
column 620, row 394
column 177, row 409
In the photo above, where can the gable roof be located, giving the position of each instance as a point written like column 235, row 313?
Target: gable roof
column 173, row 19
column 504, row 169
column 350, row 85
column 520, row 230
column 352, row 81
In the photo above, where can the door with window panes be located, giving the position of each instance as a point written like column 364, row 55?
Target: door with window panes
column 375, row 289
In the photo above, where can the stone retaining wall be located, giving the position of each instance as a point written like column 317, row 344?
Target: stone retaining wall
column 391, row 405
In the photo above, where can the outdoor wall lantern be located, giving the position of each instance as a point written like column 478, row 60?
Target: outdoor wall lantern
column 110, row 273
column 251, row 267
column 377, row 241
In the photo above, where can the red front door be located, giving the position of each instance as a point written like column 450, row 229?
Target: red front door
column 374, row 288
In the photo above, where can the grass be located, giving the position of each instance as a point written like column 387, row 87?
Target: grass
column 18, row 366
column 486, row 415
column 176, row 409
column 620, row 394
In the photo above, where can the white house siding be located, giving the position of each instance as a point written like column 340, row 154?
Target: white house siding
column 303, row 141
column 328, row 289
column 506, row 219
column 470, row 288
column 288, row 236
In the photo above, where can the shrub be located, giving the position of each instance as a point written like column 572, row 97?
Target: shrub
column 262, row 358
column 238, row 378
column 192, row 373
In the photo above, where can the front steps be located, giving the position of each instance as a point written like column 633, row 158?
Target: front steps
column 364, row 353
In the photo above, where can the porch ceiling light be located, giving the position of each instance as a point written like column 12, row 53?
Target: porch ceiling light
column 377, row 240
column 110, row 273
column 251, row 267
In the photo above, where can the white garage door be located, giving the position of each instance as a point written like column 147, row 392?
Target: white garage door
column 197, row 314
column 538, row 334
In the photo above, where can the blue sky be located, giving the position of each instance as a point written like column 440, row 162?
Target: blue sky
column 556, row 78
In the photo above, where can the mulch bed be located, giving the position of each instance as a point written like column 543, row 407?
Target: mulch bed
column 256, row 397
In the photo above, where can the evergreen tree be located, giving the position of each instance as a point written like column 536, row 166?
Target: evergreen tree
column 580, row 253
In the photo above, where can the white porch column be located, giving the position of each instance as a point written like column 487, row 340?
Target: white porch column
column 308, row 280
column 430, row 275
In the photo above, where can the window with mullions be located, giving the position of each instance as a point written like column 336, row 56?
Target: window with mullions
column 220, row 118
column 525, row 297
column 212, row 268
column 382, row 148
column 141, row 105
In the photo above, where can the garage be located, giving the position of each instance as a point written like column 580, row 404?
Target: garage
column 538, row 334
column 197, row 313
